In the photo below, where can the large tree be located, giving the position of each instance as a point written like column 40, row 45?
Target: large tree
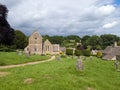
column 20, row 41
column 108, row 40
column 6, row 32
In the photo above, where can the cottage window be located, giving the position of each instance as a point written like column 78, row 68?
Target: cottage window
column 27, row 49
column 48, row 48
column 35, row 38
column 35, row 49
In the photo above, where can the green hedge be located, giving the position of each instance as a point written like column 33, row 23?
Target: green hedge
column 78, row 52
column 99, row 54
column 69, row 51
column 86, row 52
column 6, row 48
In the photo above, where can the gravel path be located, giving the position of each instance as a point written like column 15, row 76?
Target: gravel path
column 29, row 63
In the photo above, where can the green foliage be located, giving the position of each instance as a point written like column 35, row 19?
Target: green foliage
column 6, row 32
column 69, row 51
column 99, row 54
column 20, row 41
column 86, row 52
column 78, row 52
column 85, row 39
column 4, row 48
column 63, row 56
column 108, row 40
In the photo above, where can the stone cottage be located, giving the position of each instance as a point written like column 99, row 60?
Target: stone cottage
column 112, row 52
column 37, row 46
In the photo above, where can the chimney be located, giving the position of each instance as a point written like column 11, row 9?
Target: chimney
column 115, row 44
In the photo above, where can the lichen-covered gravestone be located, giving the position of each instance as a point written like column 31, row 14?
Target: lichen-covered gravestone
column 117, row 65
column 79, row 65
column 58, row 58
column 90, row 57
column 27, row 55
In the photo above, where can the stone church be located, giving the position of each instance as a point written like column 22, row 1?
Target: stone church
column 37, row 46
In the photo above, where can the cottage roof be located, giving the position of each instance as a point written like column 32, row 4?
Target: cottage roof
column 47, row 42
column 110, row 52
column 36, row 33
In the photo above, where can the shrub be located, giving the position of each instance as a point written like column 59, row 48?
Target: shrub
column 69, row 51
column 48, row 53
column 6, row 48
column 99, row 54
column 63, row 56
column 86, row 52
column 78, row 53
column 62, row 53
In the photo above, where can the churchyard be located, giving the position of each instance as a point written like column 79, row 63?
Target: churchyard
column 7, row 58
column 59, row 74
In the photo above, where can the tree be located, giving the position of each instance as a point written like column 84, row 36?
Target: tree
column 93, row 40
column 20, row 41
column 73, row 37
column 6, row 32
column 69, row 51
column 108, row 40
column 78, row 53
column 84, row 40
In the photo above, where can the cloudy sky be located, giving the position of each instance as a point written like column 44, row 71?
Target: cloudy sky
column 64, row 17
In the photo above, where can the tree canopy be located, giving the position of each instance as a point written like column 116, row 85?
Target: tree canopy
column 6, row 32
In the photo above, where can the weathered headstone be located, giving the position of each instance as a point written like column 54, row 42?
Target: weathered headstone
column 58, row 58
column 116, row 65
column 17, row 52
column 79, row 65
column 27, row 55
column 20, row 53
column 84, row 58
column 90, row 57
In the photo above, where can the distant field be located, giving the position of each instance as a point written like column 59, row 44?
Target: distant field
column 55, row 75
column 7, row 58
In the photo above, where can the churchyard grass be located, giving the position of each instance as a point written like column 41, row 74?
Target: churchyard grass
column 54, row 75
column 7, row 58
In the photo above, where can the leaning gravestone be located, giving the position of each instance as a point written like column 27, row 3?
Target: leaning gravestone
column 90, row 57
column 79, row 65
column 20, row 53
column 27, row 55
column 58, row 58
column 84, row 57
column 117, row 65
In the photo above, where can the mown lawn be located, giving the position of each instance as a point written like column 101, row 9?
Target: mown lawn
column 7, row 58
column 55, row 75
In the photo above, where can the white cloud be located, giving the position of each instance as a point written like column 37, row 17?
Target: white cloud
column 106, row 10
column 110, row 25
column 62, row 17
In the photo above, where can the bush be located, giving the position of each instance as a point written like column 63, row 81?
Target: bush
column 86, row 52
column 78, row 53
column 62, row 53
column 69, row 51
column 99, row 54
column 47, row 53
column 6, row 48
column 63, row 56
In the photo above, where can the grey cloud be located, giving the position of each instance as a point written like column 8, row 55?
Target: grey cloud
column 61, row 17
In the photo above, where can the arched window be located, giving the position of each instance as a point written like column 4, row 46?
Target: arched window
column 35, row 49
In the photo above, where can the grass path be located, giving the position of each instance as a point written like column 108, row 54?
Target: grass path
column 29, row 63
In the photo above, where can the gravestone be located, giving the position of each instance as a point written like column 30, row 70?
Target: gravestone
column 17, row 52
column 58, row 58
column 116, row 65
column 20, row 53
column 84, row 58
column 79, row 65
column 27, row 55
column 90, row 57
